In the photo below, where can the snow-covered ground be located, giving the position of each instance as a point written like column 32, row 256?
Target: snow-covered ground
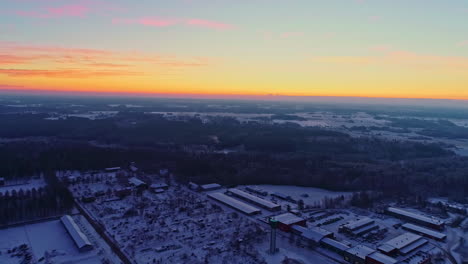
column 309, row 195
column 44, row 240
column 29, row 185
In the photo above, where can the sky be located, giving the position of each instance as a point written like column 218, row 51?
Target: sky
column 361, row 48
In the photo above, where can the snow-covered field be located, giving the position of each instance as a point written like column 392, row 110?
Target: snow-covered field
column 44, row 240
column 309, row 195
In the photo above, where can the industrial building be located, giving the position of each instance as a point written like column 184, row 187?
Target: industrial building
column 424, row 232
column 431, row 222
column 287, row 221
column 312, row 235
column 255, row 200
column 357, row 224
column 283, row 197
column 155, row 186
column 80, row 239
column 334, row 245
column 134, row 181
column 403, row 244
column 359, row 227
column 379, row 258
column 113, row 169
column 234, row 203
column 358, row 254
column 256, row 191
column 210, row 187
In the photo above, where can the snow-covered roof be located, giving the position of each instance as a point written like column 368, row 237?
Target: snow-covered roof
column 315, row 234
column 359, row 223
column 426, row 219
column 78, row 237
column 425, row 231
column 236, row 204
column 210, row 186
column 413, row 246
column 335, row 244
column 288, row 219
column 403, row 240
column 137, row 182
column 158, row 185
column 254, row 199
column 112, row 169
column 383, row 259
column 360, row 251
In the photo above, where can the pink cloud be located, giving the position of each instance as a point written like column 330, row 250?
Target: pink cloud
column 462, row 43
column 54, row 12
column 208, row 24
column 66, row 73
column 292, row 34
column 166, row 22
column 147, row 21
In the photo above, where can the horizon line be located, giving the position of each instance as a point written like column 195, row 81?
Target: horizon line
column 210, row 95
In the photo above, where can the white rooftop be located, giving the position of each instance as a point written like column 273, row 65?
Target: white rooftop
column 288, row 218
column 403, row 240
column 78, row 237
column 430, row 220
column 254, row 198
column 239, row 205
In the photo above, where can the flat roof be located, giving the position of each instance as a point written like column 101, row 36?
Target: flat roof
column 403, row 240
column 254, row 199
column 136, row 181
column 386, row 248
column 359, row 223
column 236, row 204
column 384, row 259
column 158, row 185
column 360, row 251
column 335, row 244
column 112, row 168
column 413, row 246
column 288, row 219
column 78, row 237
column 424, row 230
column 427, row 219
column 210, row 185
column 315, row 233
column 365, row 229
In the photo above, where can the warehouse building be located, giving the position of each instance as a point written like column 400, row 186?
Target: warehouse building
column 80, row 239
column 379, row 258
column 234, row 203
column 210, row 187
column 358, row 254
column 334, row 245
column 424, row 232
column 312, row 236
column 355, row 225
column 155, row 186
column 359, row 227
column 255, row 200
column 257, row 190
column 134, row 181
column 287, row 221
column 431, row 222
column 403, row 244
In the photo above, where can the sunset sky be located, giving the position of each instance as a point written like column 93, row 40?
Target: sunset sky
column 369, row 48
